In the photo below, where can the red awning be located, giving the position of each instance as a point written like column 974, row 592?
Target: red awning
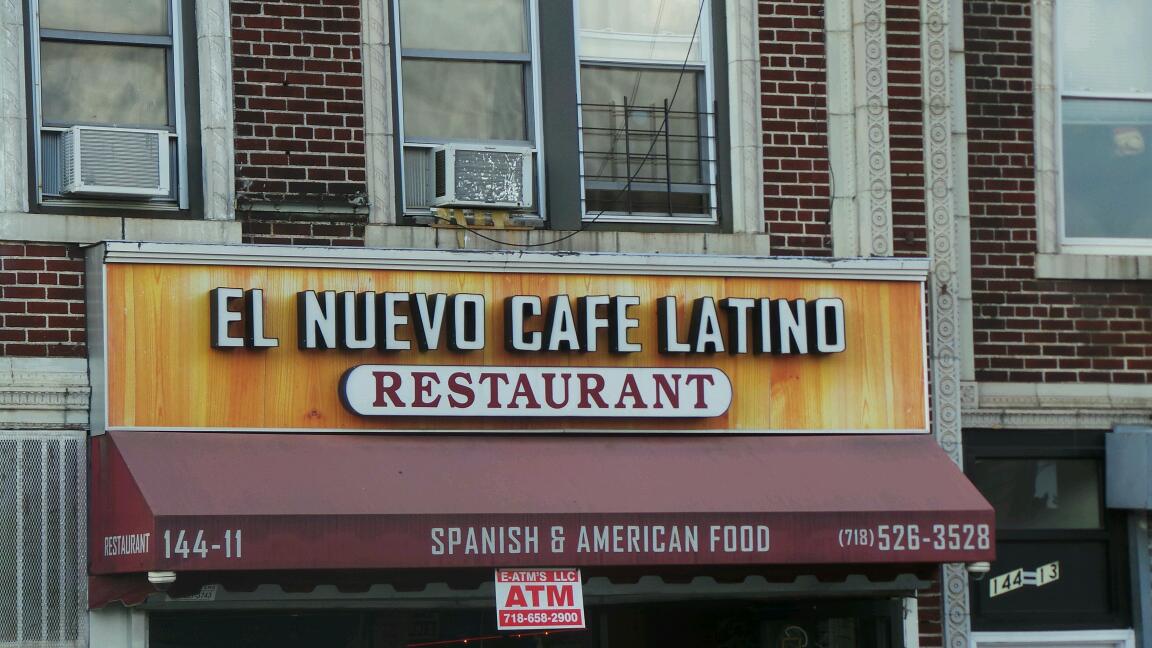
column 200, row 501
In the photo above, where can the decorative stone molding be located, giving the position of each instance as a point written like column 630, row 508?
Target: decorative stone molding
column 874, row 204
column 13, row 116
column 858, row 139
column 39, row 393
column 940, row 178
column 1062, row 405
column 379, row 133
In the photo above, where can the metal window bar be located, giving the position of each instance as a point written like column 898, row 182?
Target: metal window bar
column 649, row 163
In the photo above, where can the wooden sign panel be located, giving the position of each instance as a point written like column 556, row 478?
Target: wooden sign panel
column 249, row 338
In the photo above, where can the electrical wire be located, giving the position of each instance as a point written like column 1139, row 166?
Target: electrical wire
column 586, row 223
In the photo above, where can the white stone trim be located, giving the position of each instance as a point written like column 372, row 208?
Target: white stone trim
column 744, row 119
column 961, row 206
column 892, row 269
column 44, row 393
column 840, row 72
column 559, row 241
column 217, row 124
column 937, row 31
column 1084, row 266
column 379, row 133
column 13, row 113
column 1055, row 639
column 1046, row 111
column 873, row 168
column 59, row 228
column 116, row 626
column 858, row 138
column 910, row 609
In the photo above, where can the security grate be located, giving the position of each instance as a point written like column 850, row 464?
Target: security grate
column 41, row 537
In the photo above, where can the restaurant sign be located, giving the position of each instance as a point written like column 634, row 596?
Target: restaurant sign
column 251, row 338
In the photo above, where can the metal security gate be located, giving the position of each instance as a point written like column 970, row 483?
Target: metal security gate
column 42, row 565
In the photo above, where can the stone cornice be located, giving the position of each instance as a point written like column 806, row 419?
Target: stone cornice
column 44, row 392
column 1058, row 405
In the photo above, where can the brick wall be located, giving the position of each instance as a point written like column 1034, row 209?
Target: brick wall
column 1025, row 329
column 279, row 229
column 299, row 100
column 906, row 128
column 928, row 607
column 795, row 119
column 41, row 300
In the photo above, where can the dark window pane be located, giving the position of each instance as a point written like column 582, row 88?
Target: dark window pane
column 643, row 127
column 103, row 84
column 1041, row 493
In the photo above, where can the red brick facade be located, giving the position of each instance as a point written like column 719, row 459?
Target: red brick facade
column 797, row 193
column 1028, row 329
column 906, row 128
column 299, row 100
column 41, row 300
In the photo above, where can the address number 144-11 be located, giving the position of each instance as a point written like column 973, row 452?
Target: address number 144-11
column 192, row 542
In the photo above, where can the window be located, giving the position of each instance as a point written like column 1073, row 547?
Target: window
column 113, row 68
column 615, row 100
column 646, row 127
column 1048, row 492
column 1105, row 106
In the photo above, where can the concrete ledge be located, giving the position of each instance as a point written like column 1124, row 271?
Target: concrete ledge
column 58, row 228
column 395, row 236
column 1093, row 266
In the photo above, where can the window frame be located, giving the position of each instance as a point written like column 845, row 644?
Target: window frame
column 1054, row 444
column 559, row 194
column 532, row 99
column 707, row 107
column 181, row 60
column 1083, row 244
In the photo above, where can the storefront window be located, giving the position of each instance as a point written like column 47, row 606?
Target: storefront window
column 1041, row 493
column 749, row 624
column 1061, row 556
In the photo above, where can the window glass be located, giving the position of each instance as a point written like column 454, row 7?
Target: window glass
column 103, row 84
column 624, row 124
column 148, row 17
column 1104, row 45
column 463, row 100
column 464, row 25
column 654, row 30
column 1041, row 493
column 1107, row 168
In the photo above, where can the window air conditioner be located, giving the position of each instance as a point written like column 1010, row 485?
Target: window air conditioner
column 497, row 177
column 122, row 162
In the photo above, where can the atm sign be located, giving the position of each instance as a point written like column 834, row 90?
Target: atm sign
column 539, row 599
